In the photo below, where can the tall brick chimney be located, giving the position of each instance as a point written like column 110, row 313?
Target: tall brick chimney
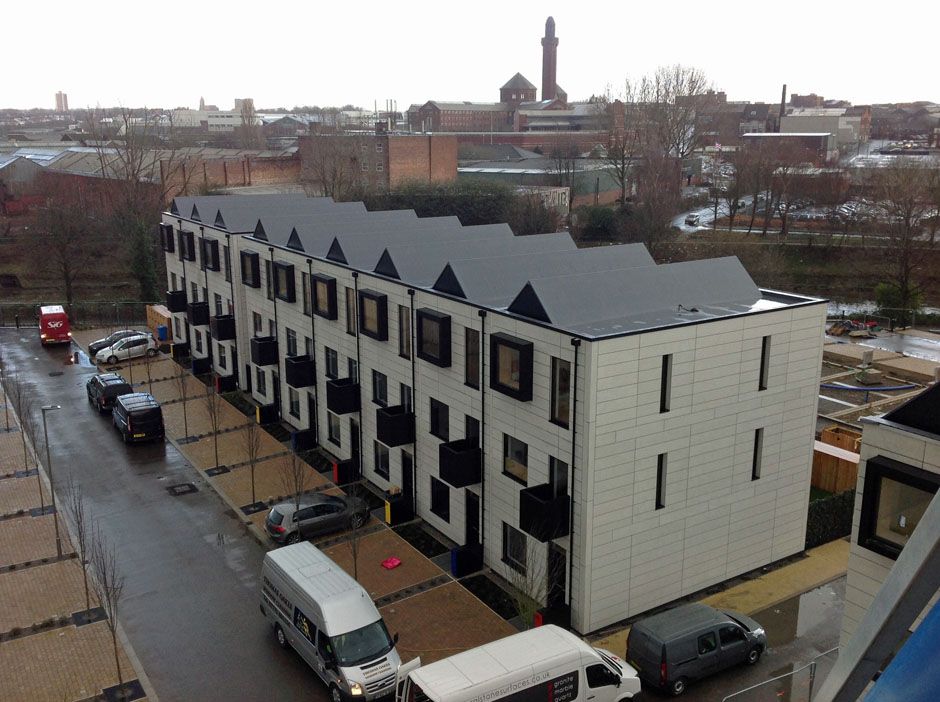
column 549, row 59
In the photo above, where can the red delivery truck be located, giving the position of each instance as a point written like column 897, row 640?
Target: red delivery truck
column 54, row 325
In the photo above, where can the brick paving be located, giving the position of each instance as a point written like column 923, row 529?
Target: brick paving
column 11, row 453
column 21, row 493
column 27, row 538
column 49, row 590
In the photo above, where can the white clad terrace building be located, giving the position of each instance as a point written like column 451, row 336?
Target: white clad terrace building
column 621, row 433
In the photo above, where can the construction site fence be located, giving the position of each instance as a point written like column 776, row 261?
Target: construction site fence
column 794, row 686
column 82, row 315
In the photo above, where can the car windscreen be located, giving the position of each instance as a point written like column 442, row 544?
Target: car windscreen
column 362, row 645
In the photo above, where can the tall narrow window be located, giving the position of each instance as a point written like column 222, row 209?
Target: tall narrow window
column 291, row 341
column 661, row 481
column 294, row 397
column 764, row 363
column 514, row 548
column 352, row 365
column 440, row 420
column 257, row 324
column 404, row 393
column 561, row 391
column 558, row 476
column 758, row 452
column 331, row 361
column 228, row 263
column 379, row 388
column 665, row 384
column 269, row 279
column 472, row 358
column 515, row 459
column 380, row 453
column 306, row 292
column 350, row 311
column 218, row 304
column 332, row 428
column 404, row 332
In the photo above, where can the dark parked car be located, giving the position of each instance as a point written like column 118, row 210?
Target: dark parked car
column 138, row 417
column 95, row 346
column 671, row 649
column 318, row 514
column 105, row 388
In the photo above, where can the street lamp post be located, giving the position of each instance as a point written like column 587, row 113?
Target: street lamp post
column 55, row 514
column 6, row 400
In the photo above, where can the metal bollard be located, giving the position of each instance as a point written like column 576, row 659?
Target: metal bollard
column 17, row 318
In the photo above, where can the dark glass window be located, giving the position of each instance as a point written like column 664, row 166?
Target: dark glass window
column 433, row 337
column 514, row 549
column 440, row 420
column 440, row 499
column 561, row 391
column 373, row 314
column 511, row 366
column 515, row 459
column 472, row 357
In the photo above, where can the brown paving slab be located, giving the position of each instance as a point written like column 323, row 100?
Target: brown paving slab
column 21, row 493
column 51, row 590
column 851, row 354
column 30, row 539
column 11, row 453
column 197, row 416
column 231, row 447
column 919, row 370
column 269, row 483
column 377, row 547
column 441, row 622
column 166, row 390
column 63, row 664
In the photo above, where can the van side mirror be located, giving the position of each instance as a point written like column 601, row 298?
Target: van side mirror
column 395, row 638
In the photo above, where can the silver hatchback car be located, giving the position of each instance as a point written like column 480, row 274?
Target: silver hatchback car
column 318, row 514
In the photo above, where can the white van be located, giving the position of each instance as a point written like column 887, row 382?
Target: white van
column 545, row 664
column 319, row 609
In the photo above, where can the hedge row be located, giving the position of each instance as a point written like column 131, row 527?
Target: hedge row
column 830, row 518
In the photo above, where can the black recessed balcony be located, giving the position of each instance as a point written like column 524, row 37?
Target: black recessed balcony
column 225, row 383
column 201, row 366
column 266, row 414
column 460, row 462
column 264, row 350
column 304, row 439
column 176, row 300
column 395, row 426
column 179, row 349
column 222, row 327
column 298, row 370
column 342, row 395
column 543, row 515
column 198, row 314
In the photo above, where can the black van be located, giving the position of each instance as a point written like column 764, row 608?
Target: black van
column 138, row 417
column 673, row 648
column 104, row 389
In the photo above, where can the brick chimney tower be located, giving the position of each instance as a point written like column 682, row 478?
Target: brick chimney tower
column 549, row 60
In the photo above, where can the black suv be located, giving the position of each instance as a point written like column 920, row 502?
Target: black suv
column 138, row 417
column 103, row 389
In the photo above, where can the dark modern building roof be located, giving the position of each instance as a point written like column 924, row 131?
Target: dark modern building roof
column 546, row 279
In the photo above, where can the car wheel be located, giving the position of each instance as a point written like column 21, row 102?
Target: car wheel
column 356, row 521
column 335, row 694
column 677, row 687
column 754, row 655
column 292, row 538
column 112, row 360
column 280, row 636
column 151, row 352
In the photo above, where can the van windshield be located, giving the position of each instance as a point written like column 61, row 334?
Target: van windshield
column 362, row 645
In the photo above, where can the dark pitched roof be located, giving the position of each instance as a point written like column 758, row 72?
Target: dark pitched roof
column 921, row 413
column 518, row 82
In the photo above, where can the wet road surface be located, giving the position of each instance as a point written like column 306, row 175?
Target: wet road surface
column 190, row 602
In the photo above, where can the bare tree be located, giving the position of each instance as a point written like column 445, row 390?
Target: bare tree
column 249, row 131
column 677, row 96
column 75, row 509
column 108, row 584
column 331, row 163
column 251, row 442
column 531, row 583
column 657, row 200
column 295, row 477
column 564, row 153
column 214, row 410
column 179, row 381
column 19, row 394
column 627, row 119
column 148, row 367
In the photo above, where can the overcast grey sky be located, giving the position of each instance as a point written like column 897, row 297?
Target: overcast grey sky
column 287, row 52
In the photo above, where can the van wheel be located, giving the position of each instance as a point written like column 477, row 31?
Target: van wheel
column 279, row 635
column 335, row 694
column 112, row 360
column 677, row 687
column 754, row 655
column 292, row 538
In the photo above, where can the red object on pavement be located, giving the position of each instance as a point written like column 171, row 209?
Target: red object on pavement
column 391, row 563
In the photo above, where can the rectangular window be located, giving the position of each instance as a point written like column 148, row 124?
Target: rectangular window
column 221, row 356
column 352, row 367
column 285, row 282
column 228, row 263
column 294, row 398
column 511, row 366
column 440, row 420
column 433, row 337
column 440, row 499
column 379, row 388
column 558, row 476
column 350, row 311
column 472, row 357
column 331, row 361
column 561, row 391
column 332, row 427
column 324, row 296
column 471, row 429
column 176, row 324
column 373, row 314
column 306, row 293
column 380, row 453
column 166, row 238
column 173, row 281
column 257, row 324
column 250, row 265
column 514, row 549
column 272, row 328
column 308, row 347
column 218, row 305
column 758, row 453
column 764, row 363
column 195, row 292
column 291, row 341
column 516, row 459
column 404, row 332
column 261, row 381
column 661, row 481
column 210, row 254
column 268, row 279
column 404, row 394
column 198, row 342
column 665, row 384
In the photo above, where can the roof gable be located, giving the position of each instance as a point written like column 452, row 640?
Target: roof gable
column 528, row 304
column 386, row 266
column 293, row 242
column 219, row 220
column 195, row 215
column 259, row 232
column 336, row 252
column 447, row 283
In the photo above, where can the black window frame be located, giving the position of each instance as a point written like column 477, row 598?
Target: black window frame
column 380, row 333
column 877, row 468
column 250, row 264
column 471, row 365
column 351, row 311
column 764, row 363
column 227, row 256
column 382, row 468
column 662, row 462
column 269, row 278
column 440, row 499
column 665, row 384
column 284, row 273
column 510, row 533
column 443, row 357
column 439, row 419
column 333, row 420
column 167, row 238
column 330, row 363
column 379, row 382
column 187, row 245
column 553, row 413
column 507, row 439
column 758, row 457
column 526, row 351
column 327, row 310
column 290, row 337
column 209, row 249
column 404, row 332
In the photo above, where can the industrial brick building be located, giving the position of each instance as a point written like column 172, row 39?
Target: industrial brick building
column 616, row 432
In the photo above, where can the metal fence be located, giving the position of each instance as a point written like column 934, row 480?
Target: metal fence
column 795, row 686
column 82, row 315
